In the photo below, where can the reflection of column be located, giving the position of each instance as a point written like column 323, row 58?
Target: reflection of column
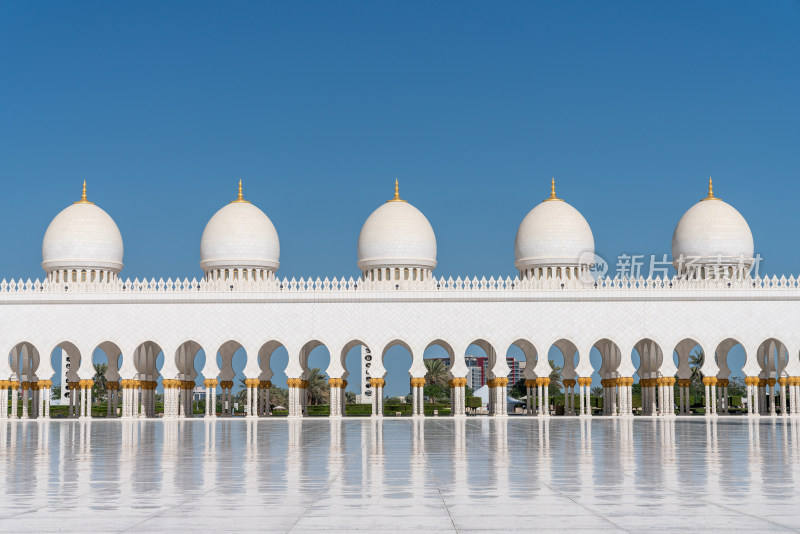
column 377, row 396
column 460, row 469
column 499, row 454
column 337, row 459
column 377, row 456
column 209, row 466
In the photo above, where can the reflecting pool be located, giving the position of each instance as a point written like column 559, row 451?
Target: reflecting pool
column 437, row 474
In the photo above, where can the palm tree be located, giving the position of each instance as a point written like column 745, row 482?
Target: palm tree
column 696, row 361
column 99, row 387
column 278, row 397
column 555, row 379
column 436, row 372
column 318, row 391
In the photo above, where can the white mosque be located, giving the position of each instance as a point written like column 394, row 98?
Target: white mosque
column 714, row 302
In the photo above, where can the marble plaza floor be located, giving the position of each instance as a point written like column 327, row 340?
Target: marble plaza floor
column 436, row 475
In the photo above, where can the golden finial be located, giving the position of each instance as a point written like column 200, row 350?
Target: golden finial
column 396, row 192
column 240, row 198
column 710, row 190
column 552, row 190
column 83, row 196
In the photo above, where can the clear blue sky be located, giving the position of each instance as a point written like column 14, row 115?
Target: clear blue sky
column 162, row 107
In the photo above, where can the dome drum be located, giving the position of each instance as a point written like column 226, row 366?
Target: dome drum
column 396, row 243
column 239, row 243
column 712, row 240
column 552, row 240
column 82, row 244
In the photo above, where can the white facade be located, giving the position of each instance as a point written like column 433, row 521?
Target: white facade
column 134, row 321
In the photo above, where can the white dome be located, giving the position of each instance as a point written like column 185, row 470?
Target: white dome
column 82, row 236
column 712, row 231
column 239, row 236
column 396, row 235
column 553, row 233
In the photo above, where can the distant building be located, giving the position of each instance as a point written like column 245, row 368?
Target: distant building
column 478, row 367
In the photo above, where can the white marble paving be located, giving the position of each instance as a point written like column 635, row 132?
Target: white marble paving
column 435, row 475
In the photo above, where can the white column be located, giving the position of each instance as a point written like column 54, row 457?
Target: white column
column 502, row 396
column 4, row 401
column 14, row 401
column 249, row 405
column 771, row 388
column 782, row 384
column 529, row 385
column 582, row 411
column 756, row 411
column 48, row 399
column 335, row 385
column 214, row 400
column 24, row 400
